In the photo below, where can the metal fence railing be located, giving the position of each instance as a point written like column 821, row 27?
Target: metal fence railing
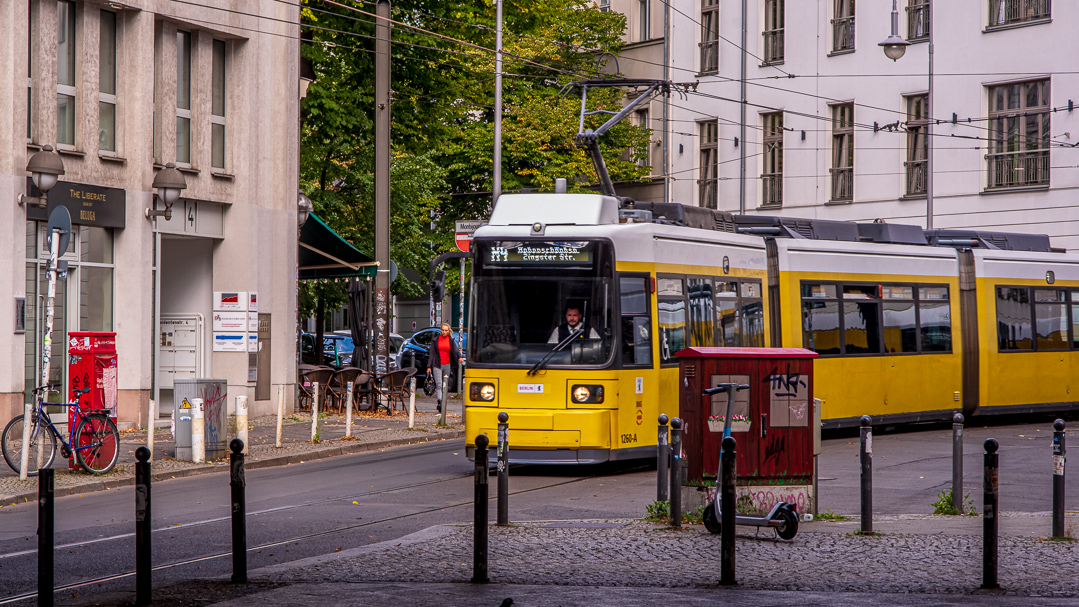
column 1006, row 12
column 915, row 171
column 1017, row 169
column 773, row 46
column 843, row 34
column 772, row 189
column 842, row 183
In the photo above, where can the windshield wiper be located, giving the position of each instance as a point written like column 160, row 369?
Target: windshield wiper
column 558, row 348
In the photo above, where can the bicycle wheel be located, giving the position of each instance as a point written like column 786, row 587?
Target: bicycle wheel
column 97, row 444
column 42, row 445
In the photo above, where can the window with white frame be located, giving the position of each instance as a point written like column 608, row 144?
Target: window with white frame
column 916, row 164
column 641, row 117
column 709, row 168
column 772, row 177
column 65, row 74
column 183, row 98
column 217, row 110
column 843, row 26
column 773, row 31
column 709, row 36
column 1019, row 134
column 842, row 170
column 604, row 6
column 107, row 84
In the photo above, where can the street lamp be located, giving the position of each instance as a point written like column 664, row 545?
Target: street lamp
column 303, row 209
column 168, row 182
column 45, row 167
column 894, row 48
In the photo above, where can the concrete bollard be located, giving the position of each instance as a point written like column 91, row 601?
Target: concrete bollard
column 198, row 431
column 727, row 460
column 503, row 469
column 676, row 474
column 144, row 526
column 957, row 462
column 1059, row 451
column 314, row 411
column 412, row 402
column 348, row 409
column 663, row 459
column 241, row 420
column 237, row 485
column 46, row 526
column 990, row 514
column 151, row 427
column 280, row 413
column 479, row 538
column 865, row 455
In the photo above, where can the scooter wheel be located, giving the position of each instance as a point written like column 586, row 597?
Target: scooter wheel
column 789, row 528
column 711, row 521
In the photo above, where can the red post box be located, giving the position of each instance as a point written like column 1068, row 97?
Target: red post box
column 773, row 422
column 91, row 364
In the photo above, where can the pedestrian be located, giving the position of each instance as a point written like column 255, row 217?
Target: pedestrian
column 440, row 357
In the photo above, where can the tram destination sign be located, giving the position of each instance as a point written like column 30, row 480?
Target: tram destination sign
column 539, row 253
column 89, row 205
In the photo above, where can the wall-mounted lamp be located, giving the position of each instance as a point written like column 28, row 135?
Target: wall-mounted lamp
column 303, row 209
column 45, row 167
column 168, row 182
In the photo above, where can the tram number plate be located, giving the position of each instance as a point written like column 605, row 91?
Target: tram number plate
column 629, row 438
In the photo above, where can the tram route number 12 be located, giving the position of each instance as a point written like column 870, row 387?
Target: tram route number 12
column 629, row 438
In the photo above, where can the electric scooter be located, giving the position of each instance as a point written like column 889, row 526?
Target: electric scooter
column 782, row 518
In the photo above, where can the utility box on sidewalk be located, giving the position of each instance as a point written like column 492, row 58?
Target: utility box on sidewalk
column 775, row 426
column 214, row 395
column 91, row 364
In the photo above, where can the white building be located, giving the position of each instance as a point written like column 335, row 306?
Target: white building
column 120, row 89
column 836, row 130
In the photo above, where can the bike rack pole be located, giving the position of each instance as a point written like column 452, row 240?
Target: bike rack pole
column 726, row 576
column 990, row 515
column 144, row 526
column 238, row 483
column 479, row 539
column 24, row 455
column 46, row 525
column 676, row 473
column 1059, row 452
column 198, row 431
column 241, row 420
column 865, row 455
column 503, row 469
column 663, row 460
column 957, row 462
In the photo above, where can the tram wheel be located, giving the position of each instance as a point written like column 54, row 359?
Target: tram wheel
column 711, row 521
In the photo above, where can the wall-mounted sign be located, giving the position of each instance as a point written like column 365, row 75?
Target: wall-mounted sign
column 230, row 301
column 253, row 322
column 230, row 321
column 230, row 342
column 89, row 205
column 252, row 302
column 253, row 341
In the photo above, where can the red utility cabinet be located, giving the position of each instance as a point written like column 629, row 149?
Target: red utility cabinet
column 776, row 442
column 91, row 363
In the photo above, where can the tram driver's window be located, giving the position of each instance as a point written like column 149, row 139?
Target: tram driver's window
column 636, row 322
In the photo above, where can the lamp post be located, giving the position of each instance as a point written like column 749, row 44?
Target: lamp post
column 304, row 207
column 894, row 48
column 45, row 167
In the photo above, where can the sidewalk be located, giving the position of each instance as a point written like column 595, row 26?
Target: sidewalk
column 370, row 432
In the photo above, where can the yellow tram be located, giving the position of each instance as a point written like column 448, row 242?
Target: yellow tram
column 579, row 307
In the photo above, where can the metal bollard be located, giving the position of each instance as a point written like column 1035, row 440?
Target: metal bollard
column 46, row 525
column 348, row 409
column 990, row 518
column 144, row 526
column 957, row 462
column 727, row 458
column 28, row 416
column 314, row 412
column 1059, row 452
column 479, row 540
column 198, row 431
column 150, row 427
column 676, row 474
column 503, row 469
column 445, row 400
column 663, row 460
column 241, row 420
column 280, row 413
column 237, row 482
column 865, row 449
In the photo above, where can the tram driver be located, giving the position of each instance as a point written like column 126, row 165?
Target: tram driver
column 574, row 322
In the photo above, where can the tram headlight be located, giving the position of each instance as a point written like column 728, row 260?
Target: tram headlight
column 587, row 394
column 480, row 392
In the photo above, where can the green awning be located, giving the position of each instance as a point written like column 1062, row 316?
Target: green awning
column 324, row 254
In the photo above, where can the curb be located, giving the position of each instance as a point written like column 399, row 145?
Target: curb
column 283, row 460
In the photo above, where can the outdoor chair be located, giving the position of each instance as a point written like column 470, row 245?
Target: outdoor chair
column 393, row 390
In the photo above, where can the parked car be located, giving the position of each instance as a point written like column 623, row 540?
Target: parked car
column 336, row 350
column 349, row 347
column 415, row 349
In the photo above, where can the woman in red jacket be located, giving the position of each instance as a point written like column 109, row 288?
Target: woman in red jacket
column 440, row 356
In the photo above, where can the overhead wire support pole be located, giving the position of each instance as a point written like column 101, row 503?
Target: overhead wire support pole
column 666, row 102
column 496, row 185
column 382, row 186
column 929, row 132
column 742, row 126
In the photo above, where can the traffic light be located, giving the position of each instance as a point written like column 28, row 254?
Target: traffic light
column 438, row 287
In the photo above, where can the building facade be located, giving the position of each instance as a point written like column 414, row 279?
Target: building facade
column 834, row 129
column 121, row 89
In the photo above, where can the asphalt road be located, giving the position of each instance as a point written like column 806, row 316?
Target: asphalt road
column 350, row 501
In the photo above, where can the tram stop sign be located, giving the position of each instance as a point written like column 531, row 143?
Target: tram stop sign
column 463, row 233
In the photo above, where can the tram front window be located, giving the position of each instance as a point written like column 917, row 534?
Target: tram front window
column 531, row 298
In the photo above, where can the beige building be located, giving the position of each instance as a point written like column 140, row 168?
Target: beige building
column 120, row 89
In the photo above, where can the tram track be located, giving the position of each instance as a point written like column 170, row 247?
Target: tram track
column 304, row 537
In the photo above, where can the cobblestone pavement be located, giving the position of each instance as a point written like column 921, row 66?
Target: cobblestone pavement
column 370, row 431
column 823, row 558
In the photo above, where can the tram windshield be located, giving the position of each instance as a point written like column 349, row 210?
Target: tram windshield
column 533, row 296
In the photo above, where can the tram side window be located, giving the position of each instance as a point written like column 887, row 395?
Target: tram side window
column 636, row 322
column 752, row 315
column 1035, row 319
column 701, row 323
column 1013, row 319
column 1075, row 318
column 1051, row 319
column 934, row 319
column 860, row 320
column 672, row 318
column 728, row 323
column 900, row 320
column 739, row 314
column 820, row 318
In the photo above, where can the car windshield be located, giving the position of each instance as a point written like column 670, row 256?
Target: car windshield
column 530, row 296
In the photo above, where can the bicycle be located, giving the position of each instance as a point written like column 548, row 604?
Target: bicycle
column 95, row 440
